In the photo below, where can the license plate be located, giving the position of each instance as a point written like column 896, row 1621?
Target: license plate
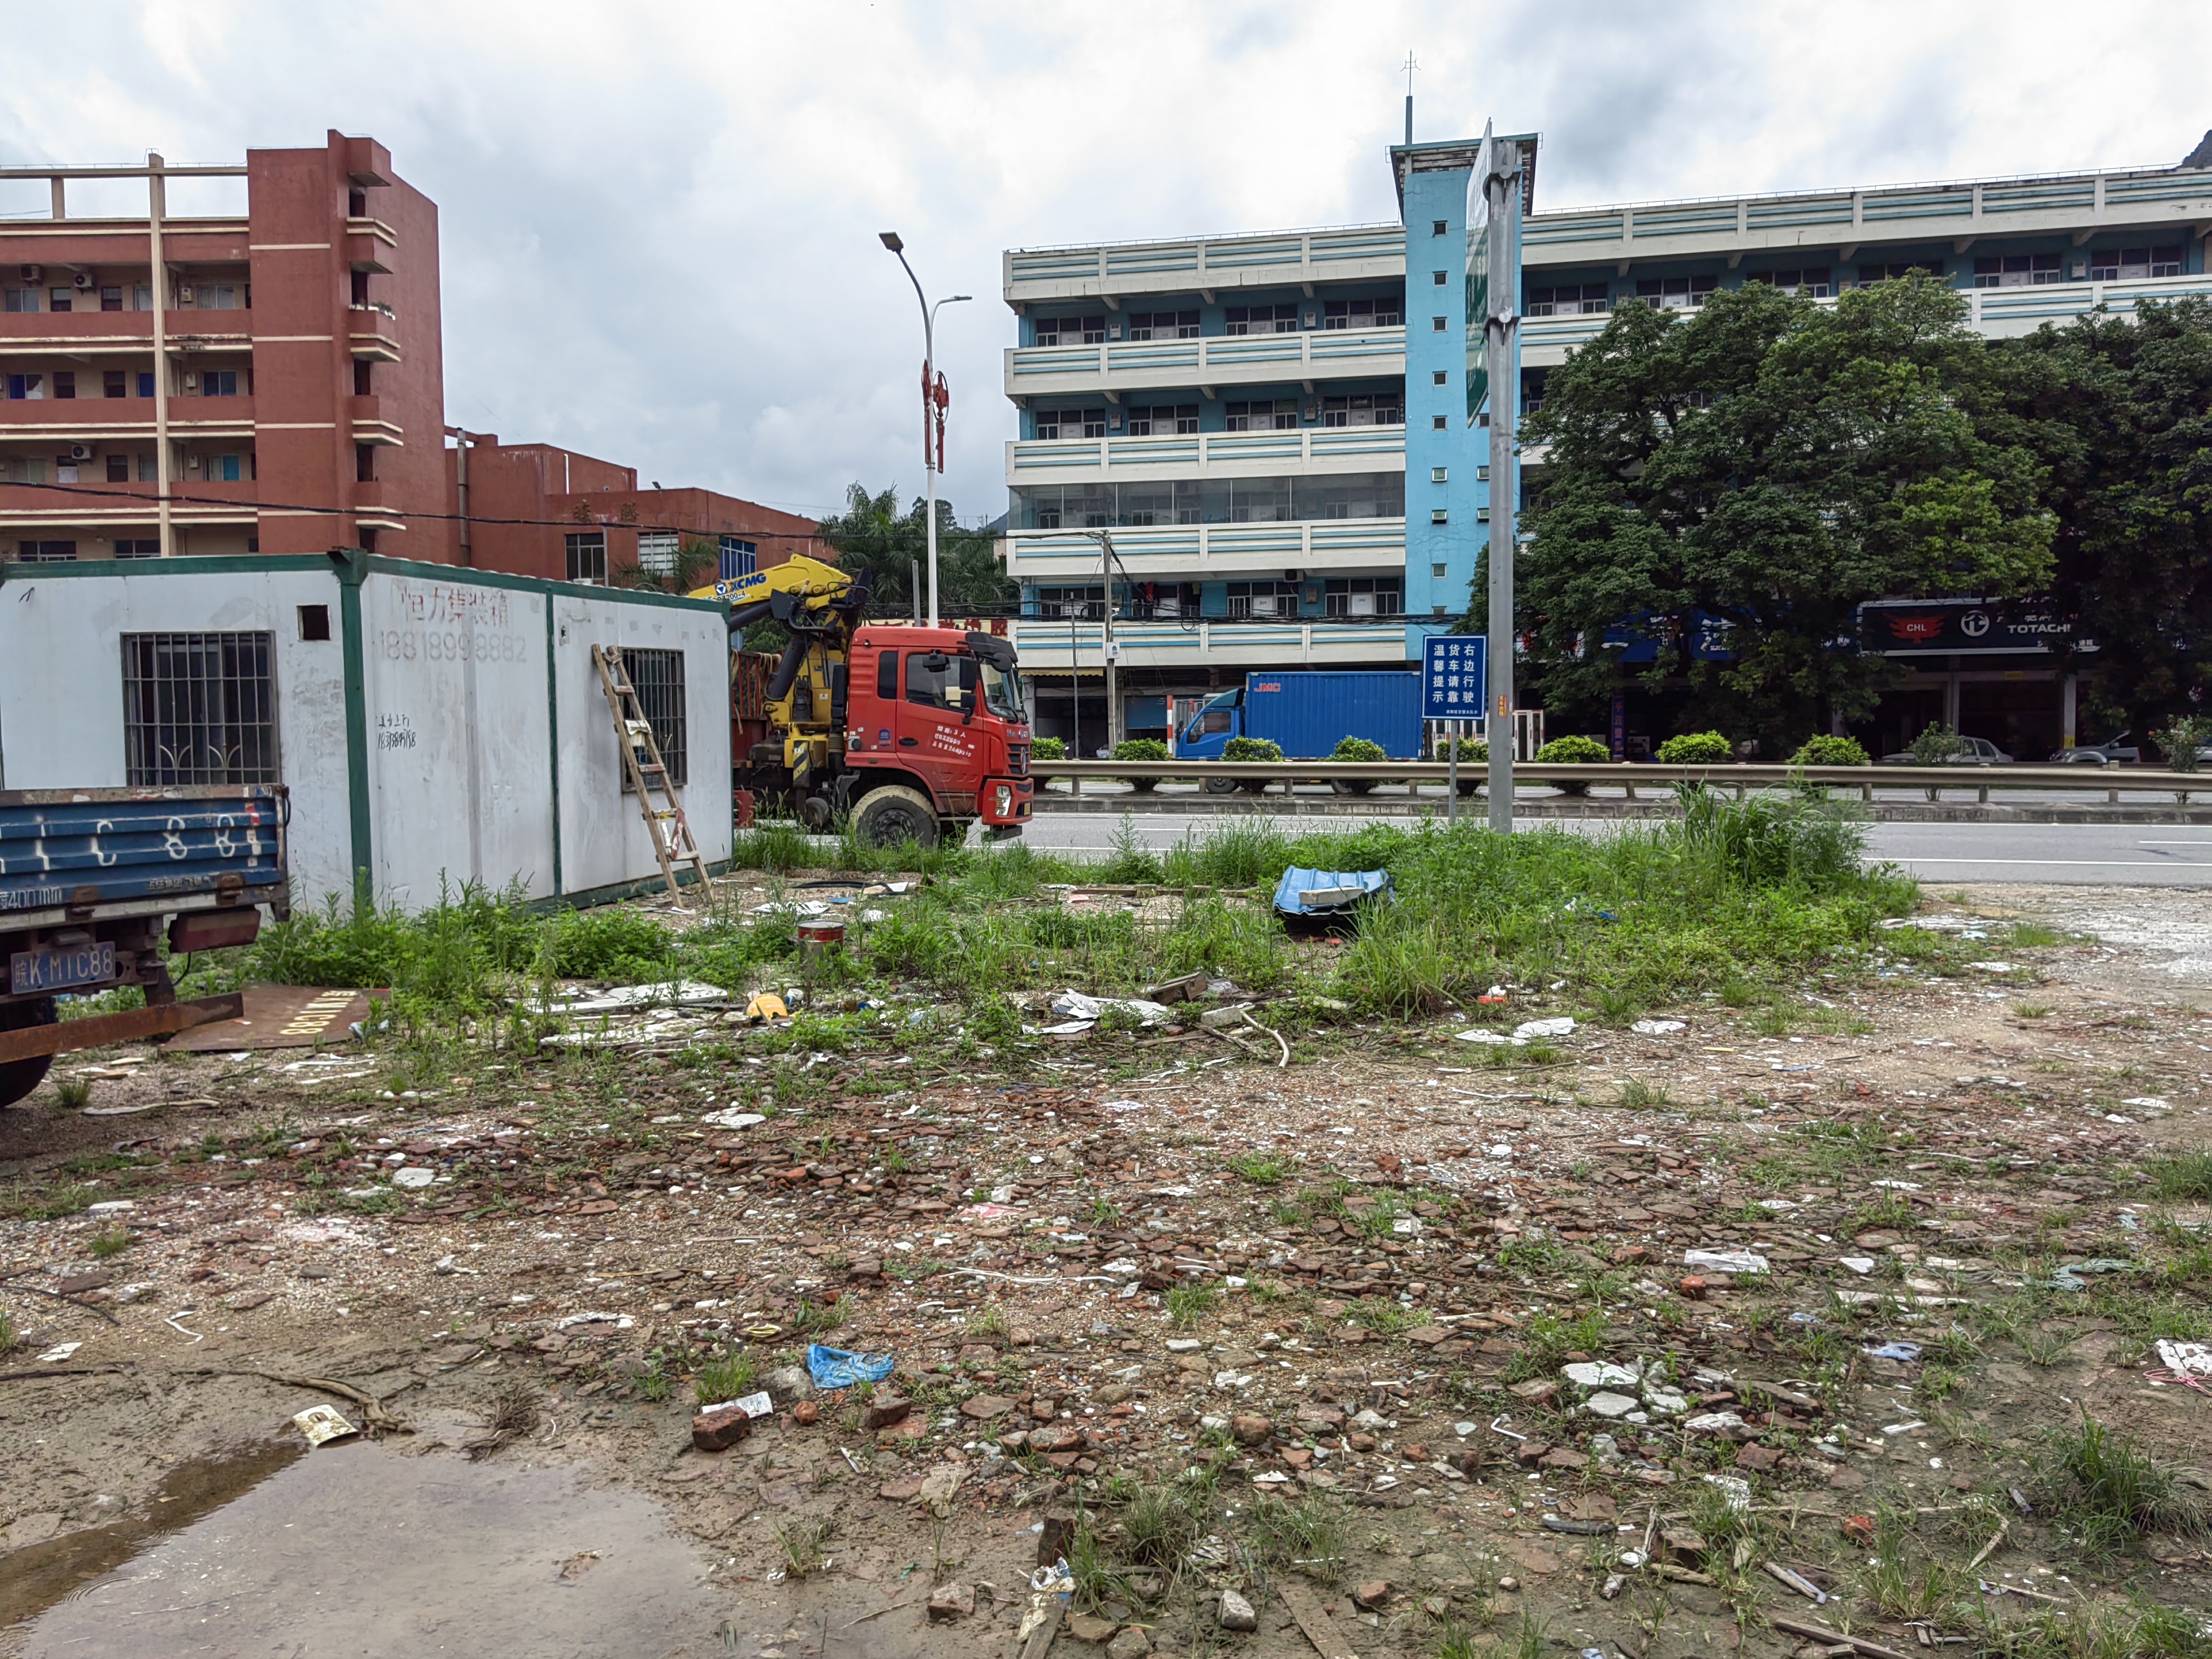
column 32, row 971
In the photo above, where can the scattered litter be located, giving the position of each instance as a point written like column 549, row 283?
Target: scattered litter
column 627, row 999
column 1479, row 1035
column 1084, row 1011
column 2148, row 1103
column 414, row 1176
column 1330, row 892
column 1906, row 1353
column 2186, row 1363
column 1657, row 1027
column 733, row 1119
column 2067, row 1276
column 765, row 1006
column 1562, row 1026
column 1725, row 1261
column 837, row 1368
column 323, row 1424
column 130, row 1110
column 1993, row 967
column 1858, row 1264
column 58, row 1353
column 110, row 1207
column 1736, row 1488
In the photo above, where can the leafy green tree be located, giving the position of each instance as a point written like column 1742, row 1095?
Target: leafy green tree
column 873, row 535
column 2119, row 414
column 1771, row 463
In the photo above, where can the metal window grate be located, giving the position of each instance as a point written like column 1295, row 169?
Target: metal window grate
column 658, row 677
column 199, row 708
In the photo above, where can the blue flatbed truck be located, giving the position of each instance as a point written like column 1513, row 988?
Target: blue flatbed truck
column 91, row 879
column 1307, row 712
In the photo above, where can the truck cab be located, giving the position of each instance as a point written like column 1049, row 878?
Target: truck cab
column 1207, row 732
column 936, row 733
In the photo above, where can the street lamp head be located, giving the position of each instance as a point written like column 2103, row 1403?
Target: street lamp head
column 891, row 242
column 950, row 298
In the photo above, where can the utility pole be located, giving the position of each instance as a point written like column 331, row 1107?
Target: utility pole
column 157, row 205
column 1501, row 191
column 1109, row 562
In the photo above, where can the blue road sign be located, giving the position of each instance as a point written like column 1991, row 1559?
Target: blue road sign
column 1454, row 673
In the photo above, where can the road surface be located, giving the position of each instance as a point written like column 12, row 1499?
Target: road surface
column 2117, row 854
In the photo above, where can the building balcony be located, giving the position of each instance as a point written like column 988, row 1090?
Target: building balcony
column 129, row 333
column 1047, row 645
column 1219, row 360
column 1192, row 552
column 1200, row 455
column 373, row 334
column 373, row 423
column 89, row 419
column 211, row 502
column 367, row 244
column 1352, row 253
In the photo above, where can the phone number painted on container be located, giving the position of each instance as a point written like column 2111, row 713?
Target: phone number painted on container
column 450, row 645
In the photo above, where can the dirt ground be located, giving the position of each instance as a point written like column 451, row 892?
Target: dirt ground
column 1407, row 1238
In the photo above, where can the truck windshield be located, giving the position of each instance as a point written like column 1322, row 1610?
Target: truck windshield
column 1002, row 694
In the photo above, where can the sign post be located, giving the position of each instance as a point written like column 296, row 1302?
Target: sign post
column 1453, row 679
column 1493, row 293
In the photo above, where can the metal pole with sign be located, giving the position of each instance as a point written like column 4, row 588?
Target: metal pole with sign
column 1500, row 170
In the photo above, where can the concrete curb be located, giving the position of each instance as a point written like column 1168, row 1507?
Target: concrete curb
column 1339, row 806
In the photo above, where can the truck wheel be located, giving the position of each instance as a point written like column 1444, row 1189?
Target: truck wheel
column 893, row 815
column 19, row 1077
column 1352, row 785
column 1221, row 786
column 1252, row 786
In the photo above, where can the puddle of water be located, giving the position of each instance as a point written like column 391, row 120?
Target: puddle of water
column 357, row 1550
column 40, row 1575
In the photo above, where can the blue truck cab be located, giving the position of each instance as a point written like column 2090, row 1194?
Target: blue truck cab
column 90, row 880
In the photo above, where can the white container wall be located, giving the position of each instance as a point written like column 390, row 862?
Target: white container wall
column 436, row 725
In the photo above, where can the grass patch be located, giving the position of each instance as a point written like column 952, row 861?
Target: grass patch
column 1191, row 1305
column 1262, row 1169
column 729, row 1375
column 1307, row 1535
column 2181, row 1178
column 802, row 1543
column 1161, row 1522
column 2109, row 1489
column 112, row 1242
column 1638, row 1095
column 72, row 1092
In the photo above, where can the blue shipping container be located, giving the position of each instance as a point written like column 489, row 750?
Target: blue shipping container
column 114, row 846
column 1308, row 713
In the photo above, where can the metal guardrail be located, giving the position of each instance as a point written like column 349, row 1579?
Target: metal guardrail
column 2115, row 781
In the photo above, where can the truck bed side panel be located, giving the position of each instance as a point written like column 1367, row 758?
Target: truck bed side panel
column 1309, row 711
column 137, row 844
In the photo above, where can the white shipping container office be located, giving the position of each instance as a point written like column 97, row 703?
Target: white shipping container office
column 433, row 723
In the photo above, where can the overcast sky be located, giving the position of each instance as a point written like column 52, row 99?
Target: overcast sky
column 659, row 223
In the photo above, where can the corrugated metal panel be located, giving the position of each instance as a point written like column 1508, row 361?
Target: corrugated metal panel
column 1147, row 261
column 1047, row 267
column 2049, row 196
column 1799, row 210
column 138, row 844
column 1230, row 256
column 1941, row 202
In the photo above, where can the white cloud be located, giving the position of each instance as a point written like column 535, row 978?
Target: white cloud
column 659, row 224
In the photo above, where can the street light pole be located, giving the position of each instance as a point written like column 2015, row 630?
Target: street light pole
column 1109, row 562
column 891, row 240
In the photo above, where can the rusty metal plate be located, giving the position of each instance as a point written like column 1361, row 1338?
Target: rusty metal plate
column 98, row 1030
column 282, row 1017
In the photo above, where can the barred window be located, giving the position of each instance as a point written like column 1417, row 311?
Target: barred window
column 199, row 708
column 658, row 677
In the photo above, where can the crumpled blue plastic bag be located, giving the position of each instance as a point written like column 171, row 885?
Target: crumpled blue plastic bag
column 1299, row 892
column 835, row 1368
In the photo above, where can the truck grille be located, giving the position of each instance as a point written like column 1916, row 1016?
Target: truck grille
column 1018, row 760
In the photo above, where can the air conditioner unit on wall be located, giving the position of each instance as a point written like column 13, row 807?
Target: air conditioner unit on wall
column 83, row 280
column 80, row 452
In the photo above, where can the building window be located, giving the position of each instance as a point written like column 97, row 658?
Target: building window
column 46, row 552
column 1250, row 599
column 64, row 383
column 22, row 469
column 587, row 556
column 2117, row 264
column 1162, row 420
column 149, row 547
column 19, row 299
column 110, row 299
column 1054, row 423
column 314, row 622
column 656, row 552
column 145, row 383
column 364, row 463
column 1688, row 293
column 1363, row 409
column 1897, row 272
column 1071, row 331
column 119, row 469
column 1437, row 278
column 1209, row 501
column 149, row 470
column 1440, row 377
column 1437, row 324
column 26, row 385
column 739, row 557
column 1568, row 299
column 1163, row 325
column 1362, row 596
column 2017, row 271
column 1262, row 319
column 217, row 469
column 1361, row 313
column 1266, row 415
column 199, row 708
column 60, row 299
column 219, row 383
column 1439, row 515
column 658, row 677
column 217, row 296
column 1441, row 227
column 1439, row 423
column 113, row 383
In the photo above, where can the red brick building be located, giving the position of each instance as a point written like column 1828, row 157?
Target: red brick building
column 286, row 395
column 601, row 521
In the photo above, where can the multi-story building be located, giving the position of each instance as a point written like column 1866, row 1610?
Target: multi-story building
column 285, row 395
column 271, row 381
column 1274, row 428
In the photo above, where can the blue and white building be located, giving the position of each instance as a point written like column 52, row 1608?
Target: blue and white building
column 1275, row 428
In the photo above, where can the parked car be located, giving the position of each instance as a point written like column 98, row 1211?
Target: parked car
column 1971, row 751
column 2113, row 750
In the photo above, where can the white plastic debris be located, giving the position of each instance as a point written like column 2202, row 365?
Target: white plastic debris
column 733, row 1119
column 1075, row 1006
column 1494, row 1038
column 414, row 1176
column 110, row 1207
column 1736, row 1488
column 1725, row 1261
column 1599, row 1374
column 58, row 1353
column 2185, row 1358
column 1657, row 1027
column 624, row 998
column 1858, row 1264
column 1991, row 967
column 1562, row 1026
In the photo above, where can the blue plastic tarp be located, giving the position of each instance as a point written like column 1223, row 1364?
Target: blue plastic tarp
column 835, row 1368
column 1326, row 892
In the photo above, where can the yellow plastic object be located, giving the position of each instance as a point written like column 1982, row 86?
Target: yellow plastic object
column 766, row 1006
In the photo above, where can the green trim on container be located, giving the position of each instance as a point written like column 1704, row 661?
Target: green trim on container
column 222, row 564
column 349, row 564
column 424, row 572
column 615, row 892
column 553, row 739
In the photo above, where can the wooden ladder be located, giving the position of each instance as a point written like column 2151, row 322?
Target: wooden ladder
column 648, row 774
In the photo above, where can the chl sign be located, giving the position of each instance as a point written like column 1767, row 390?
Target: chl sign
column 1454, row 671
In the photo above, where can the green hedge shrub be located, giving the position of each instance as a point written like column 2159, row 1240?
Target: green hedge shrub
column 1252, row 748
column 1696, row 749
column 1359, row 749
column 1047, row 749
column 1574, row 752
column 1142, row 749
column 1832, row 751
